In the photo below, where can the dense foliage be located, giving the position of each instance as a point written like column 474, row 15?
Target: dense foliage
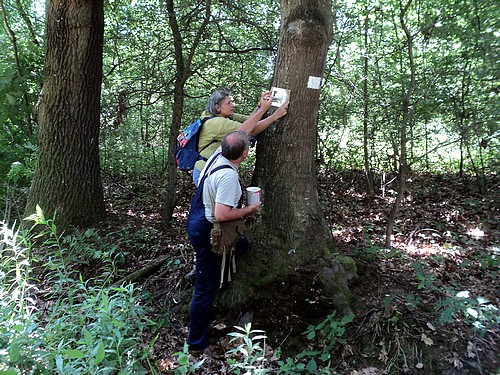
column 453, row 128
column 455, row 104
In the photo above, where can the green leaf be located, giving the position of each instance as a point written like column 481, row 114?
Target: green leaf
column 73, row 353
column 183, row 359
column 100, row 353
column 8, row 372
column 59, row 364
column 347, row 319
column 39, row 213
column 11, row 99
column 118, row 323
column 325, row 357
column 89, row 340
column 197, row 364
column 14, row 351
column 312, row 366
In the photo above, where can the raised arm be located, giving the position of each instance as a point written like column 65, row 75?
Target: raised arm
column 250, row 123
column 264, row 123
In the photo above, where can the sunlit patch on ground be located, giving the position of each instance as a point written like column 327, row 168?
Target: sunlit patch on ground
column 444, row 245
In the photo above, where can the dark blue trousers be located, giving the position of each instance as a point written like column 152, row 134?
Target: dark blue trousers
column 208, row 269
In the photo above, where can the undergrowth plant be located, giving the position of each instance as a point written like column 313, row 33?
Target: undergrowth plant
column 21, row 344
column 327, row 336
column 87, row 327
column 185, row 367
column 248, row 357
column 478, row 311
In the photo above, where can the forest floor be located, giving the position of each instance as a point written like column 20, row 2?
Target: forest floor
column 426, row 306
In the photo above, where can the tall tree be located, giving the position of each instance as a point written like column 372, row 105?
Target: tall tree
column 67, row 176
column 366, row 154
column 183, row 59
column 406, row 122
column 20, row 69
column 293, row 231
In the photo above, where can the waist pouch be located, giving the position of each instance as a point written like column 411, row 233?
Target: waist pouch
column 224, row 235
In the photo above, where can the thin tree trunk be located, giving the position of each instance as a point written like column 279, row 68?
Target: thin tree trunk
column 368, row 173
column 20, row 70
column 183, row 72
column 406, row 122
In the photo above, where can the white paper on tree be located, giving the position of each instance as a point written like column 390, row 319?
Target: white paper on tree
column 279, row 96
column 314, row 83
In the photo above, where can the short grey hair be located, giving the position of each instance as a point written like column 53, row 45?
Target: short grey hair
column 216, row 98
column 234, row 144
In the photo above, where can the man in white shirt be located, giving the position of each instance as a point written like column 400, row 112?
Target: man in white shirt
column 218, row 198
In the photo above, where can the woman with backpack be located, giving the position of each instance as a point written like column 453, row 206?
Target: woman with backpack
column 220, row 119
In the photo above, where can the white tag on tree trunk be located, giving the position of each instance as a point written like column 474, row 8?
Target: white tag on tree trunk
column 314, row 83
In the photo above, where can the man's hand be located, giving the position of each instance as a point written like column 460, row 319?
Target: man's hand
column 253, row 207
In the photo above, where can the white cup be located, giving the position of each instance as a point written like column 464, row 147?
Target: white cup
column 253, row 195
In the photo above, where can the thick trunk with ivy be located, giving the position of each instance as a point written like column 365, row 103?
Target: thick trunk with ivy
column 293, row 232
column 67, row 176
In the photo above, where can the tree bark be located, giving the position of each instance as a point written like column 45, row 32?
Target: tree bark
column 407, row 120
column 293, row 233
column 183, row 72
column 67, row 175
column 285, row 166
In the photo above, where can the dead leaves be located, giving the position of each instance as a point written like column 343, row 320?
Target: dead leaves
column 446, row 227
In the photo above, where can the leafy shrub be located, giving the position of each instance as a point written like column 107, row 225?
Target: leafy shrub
column 85, row 329
column 251, row 357
column 21, row 173
column 21, row 344
column 96, row 330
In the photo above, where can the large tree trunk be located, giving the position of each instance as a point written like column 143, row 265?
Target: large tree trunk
column 286, row 167
column 67, row 176
column 293, row 233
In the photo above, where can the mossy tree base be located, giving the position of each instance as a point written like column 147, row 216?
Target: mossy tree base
column 268, row 264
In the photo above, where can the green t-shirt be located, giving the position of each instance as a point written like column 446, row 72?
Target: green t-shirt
column 215, row 129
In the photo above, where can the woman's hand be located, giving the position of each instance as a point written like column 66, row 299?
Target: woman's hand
column 265, row 100
column 282, row 110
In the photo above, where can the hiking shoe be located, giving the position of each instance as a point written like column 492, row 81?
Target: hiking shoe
column 214, row 350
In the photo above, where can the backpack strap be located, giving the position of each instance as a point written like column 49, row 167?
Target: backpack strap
column 212, row 142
